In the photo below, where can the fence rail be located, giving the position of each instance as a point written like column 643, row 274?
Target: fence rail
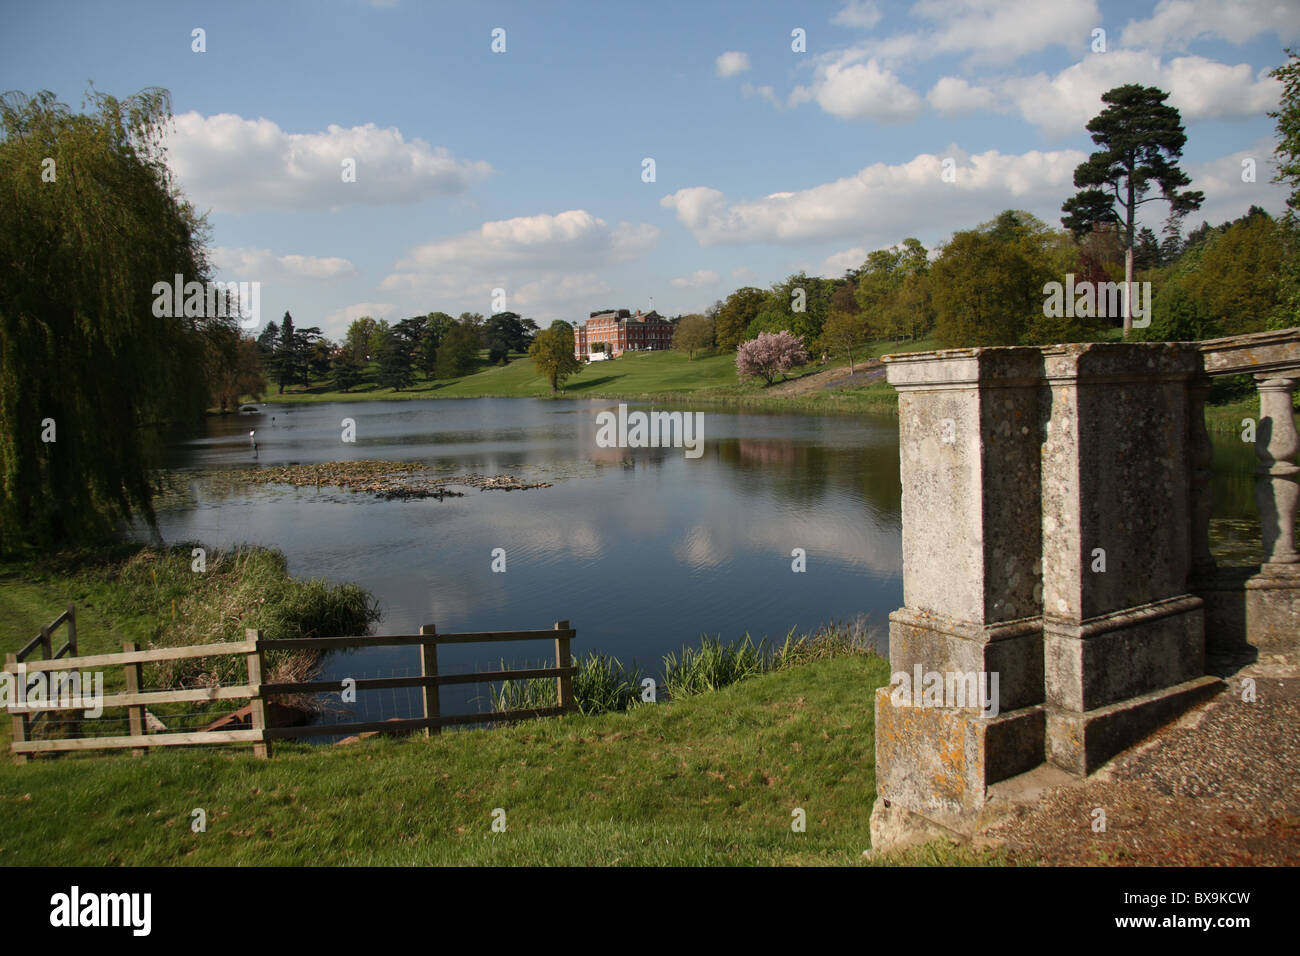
column 25, row 723
column 259, row 693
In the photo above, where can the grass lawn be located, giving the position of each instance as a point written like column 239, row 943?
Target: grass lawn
column 665, row 375
column 709, row 779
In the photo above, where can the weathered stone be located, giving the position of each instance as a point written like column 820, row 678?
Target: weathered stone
column 1252, row 609
column 1048, row 520
column 968, row 422
column 969, row 426
column 939, row 761
column 1082, row 742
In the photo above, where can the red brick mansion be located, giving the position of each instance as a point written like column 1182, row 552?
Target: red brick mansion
column 623, row 332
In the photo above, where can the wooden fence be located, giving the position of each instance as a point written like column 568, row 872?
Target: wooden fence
column 254, row 649
column 25, row 722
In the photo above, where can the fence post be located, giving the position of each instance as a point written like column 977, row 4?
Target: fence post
column 429, row 668
column 72, row 631
column 134, row 714
column 19, row 719
column 563, row 683
column 257, row 705
column 45, row 641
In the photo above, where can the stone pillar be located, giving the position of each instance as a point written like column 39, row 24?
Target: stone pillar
column 1123, row 637
column 1277, row 486
column 969, row 424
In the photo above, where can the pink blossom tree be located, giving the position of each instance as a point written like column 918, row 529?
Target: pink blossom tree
column 769, row 355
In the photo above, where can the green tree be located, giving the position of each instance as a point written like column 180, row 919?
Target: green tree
column 552, row 354
column 318, row 358
column 284, row 361
column 233, row 367
column 1239, row 276
column 267, row 341
column 1142, row 140
column 394, row 360
column 91, row 356
column 304, row 341
column 843, row 332
column 735, row 314
column 345, row 370
column 1287, row 153
column 693, row 333
column 458, row 353
column 985, row 290
column 1287, row 116
column 358, row 339
column 436, row 325
column 504, row 333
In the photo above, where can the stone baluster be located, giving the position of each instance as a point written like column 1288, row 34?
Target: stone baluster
column 1277, row 483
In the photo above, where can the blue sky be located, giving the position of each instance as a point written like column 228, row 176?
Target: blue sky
column 523, row 170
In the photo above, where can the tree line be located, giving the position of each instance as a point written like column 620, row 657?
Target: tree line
column 433, row 345
column 986, row 285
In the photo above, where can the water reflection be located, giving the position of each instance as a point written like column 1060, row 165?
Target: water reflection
column 643, row 550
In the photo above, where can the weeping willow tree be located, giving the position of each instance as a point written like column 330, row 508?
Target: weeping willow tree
column 90, row 220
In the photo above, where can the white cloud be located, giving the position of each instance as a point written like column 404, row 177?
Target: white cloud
column 951, row 95
column 313, row 267
column 743, row 273
column 842, row 262
column 882, row 202
column 553, row 288
column 1174, row 24
column 1200, row 89
column 696, row 280
column 992, row 32
column 540, row 261
column 863, row 14
column 535, row 242
column 264, row 264
column 337, row 322
column 763, row 92
column 1226, row 196
column 849, row 88
column 231, row 164
column 731, row 63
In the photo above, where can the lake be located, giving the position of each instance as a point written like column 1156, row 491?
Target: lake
column 641, row 550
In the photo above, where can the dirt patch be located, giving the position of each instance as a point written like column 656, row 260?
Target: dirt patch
column 864, row 373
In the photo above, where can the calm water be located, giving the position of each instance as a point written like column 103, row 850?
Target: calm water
column 641, row 550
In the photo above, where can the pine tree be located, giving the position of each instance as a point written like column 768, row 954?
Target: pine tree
column 1142, row 140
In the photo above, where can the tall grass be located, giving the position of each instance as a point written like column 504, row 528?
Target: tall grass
column 237, row 589
column 602, row 684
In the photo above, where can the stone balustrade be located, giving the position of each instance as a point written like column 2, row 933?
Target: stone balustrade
column 1258, row 607
column 1056, row 510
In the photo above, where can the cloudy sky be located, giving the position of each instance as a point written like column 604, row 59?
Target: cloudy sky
column 526, row 170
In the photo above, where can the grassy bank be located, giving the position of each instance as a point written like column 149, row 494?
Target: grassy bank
column 663, row 376
column 157, row 598
column 711, row 777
